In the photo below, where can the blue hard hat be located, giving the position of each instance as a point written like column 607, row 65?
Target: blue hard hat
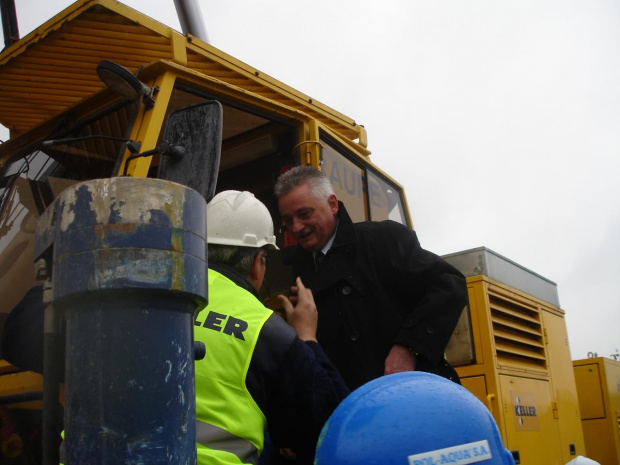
column 411, row 418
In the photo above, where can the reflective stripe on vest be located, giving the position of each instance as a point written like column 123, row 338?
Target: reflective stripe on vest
column 220, row 439
column 230, row 424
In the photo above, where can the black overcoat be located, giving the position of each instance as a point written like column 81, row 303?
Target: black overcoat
column 377, row 287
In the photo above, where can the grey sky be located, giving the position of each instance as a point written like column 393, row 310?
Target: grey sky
column 501, row 119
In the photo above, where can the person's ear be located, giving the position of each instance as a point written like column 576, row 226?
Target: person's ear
column 332, row 201
column 256, row 264
column 257, row 271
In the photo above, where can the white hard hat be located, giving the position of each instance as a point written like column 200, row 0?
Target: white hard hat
column 239, row 218
column 581, row 460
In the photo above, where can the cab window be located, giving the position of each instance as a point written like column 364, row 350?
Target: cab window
column 366, row 194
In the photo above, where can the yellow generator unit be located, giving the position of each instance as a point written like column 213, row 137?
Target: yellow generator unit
column 598, row 388
column 511, row 350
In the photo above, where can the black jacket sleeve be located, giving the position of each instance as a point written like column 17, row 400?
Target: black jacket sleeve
column 300, row 387
column 309, row 391
column 430, row 291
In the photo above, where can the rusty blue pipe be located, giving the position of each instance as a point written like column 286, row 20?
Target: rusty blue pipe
column 129, row 270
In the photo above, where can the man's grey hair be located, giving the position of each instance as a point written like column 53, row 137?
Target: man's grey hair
column 320, row 186
column 238, row 258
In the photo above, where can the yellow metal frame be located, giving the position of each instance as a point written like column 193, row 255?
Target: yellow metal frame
column 68, row 47
column 14, row 381
column 149, row 123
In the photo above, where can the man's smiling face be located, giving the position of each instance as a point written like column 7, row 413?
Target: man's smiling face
column 311, row 221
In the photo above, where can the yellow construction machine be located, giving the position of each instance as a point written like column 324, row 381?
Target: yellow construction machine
column 102, row 96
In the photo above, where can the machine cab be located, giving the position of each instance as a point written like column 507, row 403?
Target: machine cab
column 68, row 123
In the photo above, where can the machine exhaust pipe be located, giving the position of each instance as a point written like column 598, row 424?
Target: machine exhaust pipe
column 9, row 22
column 191, row 19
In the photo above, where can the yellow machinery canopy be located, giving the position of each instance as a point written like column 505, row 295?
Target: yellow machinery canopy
column 53, row 68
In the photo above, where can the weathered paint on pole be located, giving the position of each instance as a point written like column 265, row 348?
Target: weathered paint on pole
column 129, row 268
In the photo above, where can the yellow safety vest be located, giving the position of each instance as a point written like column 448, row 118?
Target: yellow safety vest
column 229, row 424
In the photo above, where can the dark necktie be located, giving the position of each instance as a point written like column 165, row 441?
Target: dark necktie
column 319, row 258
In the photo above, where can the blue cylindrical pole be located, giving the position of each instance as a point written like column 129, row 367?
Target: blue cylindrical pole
column 129, row 269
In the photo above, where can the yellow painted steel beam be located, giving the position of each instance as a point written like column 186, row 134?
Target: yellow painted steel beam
column 152, row 122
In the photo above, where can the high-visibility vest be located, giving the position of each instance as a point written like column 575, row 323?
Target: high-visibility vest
column 229, row 424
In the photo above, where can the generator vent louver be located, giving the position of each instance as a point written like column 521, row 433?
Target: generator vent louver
column 517, row 332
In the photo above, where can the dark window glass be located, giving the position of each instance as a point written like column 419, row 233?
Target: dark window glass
column 366, row 194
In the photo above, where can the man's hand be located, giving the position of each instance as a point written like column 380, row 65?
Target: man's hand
column 303, row 317
column 399, row 359
column 293, row 295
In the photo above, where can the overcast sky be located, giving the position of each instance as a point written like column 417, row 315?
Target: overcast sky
column 501, row 119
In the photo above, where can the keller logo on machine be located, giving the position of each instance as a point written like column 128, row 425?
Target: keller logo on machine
column 462, row 454
column 525, row 409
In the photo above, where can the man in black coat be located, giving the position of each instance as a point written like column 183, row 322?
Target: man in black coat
column 385, row 304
